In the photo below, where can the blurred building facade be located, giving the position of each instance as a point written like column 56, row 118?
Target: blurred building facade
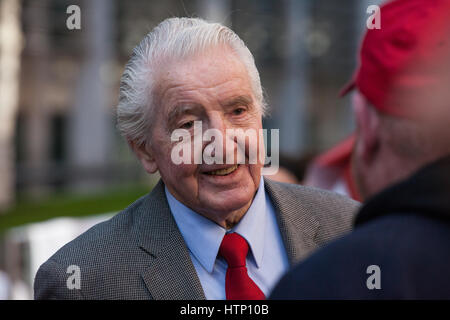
column 65, row 135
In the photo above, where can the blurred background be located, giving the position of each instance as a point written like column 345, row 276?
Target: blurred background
column 63, row 166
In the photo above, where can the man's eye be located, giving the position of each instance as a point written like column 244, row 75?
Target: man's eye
column 238, row 111
column 187, row 125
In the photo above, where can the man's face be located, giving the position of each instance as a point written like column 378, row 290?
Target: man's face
column 213, row 88
column 374, row 165
column 361, row 168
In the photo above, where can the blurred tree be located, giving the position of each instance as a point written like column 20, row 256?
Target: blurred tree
column 10, row 49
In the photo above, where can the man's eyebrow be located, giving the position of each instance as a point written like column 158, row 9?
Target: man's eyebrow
column 180, row 109
column 240, row 100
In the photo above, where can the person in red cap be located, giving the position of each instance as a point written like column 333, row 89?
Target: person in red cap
column 399, row 248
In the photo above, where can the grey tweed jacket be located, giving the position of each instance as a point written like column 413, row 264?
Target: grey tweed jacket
column 141, row 254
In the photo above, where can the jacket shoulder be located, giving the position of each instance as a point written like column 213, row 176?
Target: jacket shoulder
column 333, row 213
column 316, row 198
column 103, row 236
column 97, row 251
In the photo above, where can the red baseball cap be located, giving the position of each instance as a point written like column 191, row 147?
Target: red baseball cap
column 396, row 61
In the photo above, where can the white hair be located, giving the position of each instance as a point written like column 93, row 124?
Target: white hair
column 174, row 38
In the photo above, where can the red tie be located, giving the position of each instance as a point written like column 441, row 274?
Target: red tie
column 238, row 285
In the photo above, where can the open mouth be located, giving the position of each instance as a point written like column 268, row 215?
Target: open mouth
column 223, row 172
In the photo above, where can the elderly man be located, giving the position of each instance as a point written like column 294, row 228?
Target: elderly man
column 401, row 159
column 211, row 231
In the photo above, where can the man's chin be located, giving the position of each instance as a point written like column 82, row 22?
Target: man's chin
column 226, row 206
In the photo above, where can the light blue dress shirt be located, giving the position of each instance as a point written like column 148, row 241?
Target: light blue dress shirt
column 267, row 259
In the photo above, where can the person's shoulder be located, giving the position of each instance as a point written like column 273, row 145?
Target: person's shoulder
column 406, row 250
column 311, row 194
column 333, row 212
column 104, row 236
column 315, row 195
column 338, row 270
column 103, row 249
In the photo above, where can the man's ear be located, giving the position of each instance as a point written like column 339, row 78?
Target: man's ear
column 368, row 122
column 145, row 155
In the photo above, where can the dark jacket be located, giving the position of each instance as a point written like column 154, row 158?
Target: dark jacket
column 404, row 230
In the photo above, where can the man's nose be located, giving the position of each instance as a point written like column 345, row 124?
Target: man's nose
column 219, row 124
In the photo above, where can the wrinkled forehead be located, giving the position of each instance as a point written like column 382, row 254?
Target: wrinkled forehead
column 215, row 75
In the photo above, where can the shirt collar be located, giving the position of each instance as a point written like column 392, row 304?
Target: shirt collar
column 253, row 224
column 203, row 237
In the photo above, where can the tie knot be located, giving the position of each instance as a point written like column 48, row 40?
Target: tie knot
column 234, row 249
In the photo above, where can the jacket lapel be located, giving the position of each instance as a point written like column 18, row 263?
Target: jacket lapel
column 297, row 225
column 170, row 274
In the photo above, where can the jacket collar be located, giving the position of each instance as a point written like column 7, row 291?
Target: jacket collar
column 170, row 274
column 298, row 227
column 426, row 192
